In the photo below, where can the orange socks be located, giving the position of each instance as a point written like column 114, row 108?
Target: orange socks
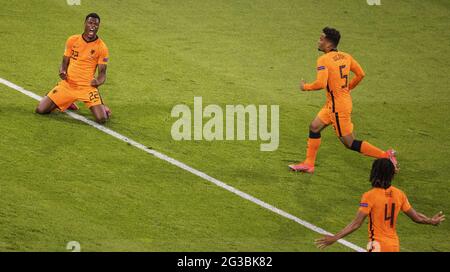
column 359, row 146
column 372, row 151
column 311, row 151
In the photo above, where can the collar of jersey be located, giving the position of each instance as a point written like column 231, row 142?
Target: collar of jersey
column 96, row 38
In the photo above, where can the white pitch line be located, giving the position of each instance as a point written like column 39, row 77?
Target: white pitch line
column 187, row 168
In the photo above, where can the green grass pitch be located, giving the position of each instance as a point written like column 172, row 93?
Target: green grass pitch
column 61, row 180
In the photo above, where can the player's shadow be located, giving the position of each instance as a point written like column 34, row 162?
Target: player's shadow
column 58, row 116
column 63, row 117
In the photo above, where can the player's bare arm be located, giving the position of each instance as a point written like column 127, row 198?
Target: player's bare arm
column 63, row 67
column 328, row 240
column 423, row 219
column 101, row 78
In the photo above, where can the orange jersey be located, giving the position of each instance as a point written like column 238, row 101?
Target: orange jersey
column 383, row 207
column 84, row 58
column 333, row 73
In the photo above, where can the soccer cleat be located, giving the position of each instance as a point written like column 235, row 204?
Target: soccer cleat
column 73, row 107
column 302, row 167
column 391, row 155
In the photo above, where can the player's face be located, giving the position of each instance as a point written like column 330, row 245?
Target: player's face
column 91, row 27
column 322, row 43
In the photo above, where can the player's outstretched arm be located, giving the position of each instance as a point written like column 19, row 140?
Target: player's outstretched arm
column 423, row 219
column 328, row 240
column 63, row 67
column 101, row 78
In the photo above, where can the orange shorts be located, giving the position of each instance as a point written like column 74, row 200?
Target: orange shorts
column 383, row 246
column 342, row 122
column 64, row 94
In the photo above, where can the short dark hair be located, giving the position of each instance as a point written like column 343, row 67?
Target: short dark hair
column 92, row 15
column 382, row 173
column 332, row 35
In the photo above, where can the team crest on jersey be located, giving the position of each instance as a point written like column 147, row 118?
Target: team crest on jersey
column 92, row 52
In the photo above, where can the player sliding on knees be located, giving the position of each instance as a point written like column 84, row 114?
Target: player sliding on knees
column 83, row 55
column 333, row 74
column 382, row 204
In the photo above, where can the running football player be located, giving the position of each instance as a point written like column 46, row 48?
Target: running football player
column 333, row 74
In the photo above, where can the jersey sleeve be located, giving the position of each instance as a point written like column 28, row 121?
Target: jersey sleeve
column 365, row 205
column 359, row 74
column 104, row 55
column 321, row 78
column 405, row 203
column 69, row 43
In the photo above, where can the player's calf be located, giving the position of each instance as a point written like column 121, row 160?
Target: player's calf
column 45, row 106
column 350, row 143
column 351, row 146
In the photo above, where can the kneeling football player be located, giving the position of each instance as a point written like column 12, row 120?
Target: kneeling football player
column 84, row 54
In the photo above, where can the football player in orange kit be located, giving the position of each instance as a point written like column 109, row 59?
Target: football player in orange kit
column 333, row 74
column 84, row 54
column 382, row 204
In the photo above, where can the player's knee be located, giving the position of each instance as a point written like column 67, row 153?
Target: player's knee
column 101, row 120
column 40, row 110
column 314, row 128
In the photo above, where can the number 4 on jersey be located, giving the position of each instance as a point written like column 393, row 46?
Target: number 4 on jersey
column 391, row 216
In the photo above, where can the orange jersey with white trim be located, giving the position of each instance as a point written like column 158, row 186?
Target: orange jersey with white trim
column 84, row 58
column 333, row 73
column 383, row 207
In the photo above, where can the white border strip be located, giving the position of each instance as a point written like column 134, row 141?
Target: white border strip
column 187, row 168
